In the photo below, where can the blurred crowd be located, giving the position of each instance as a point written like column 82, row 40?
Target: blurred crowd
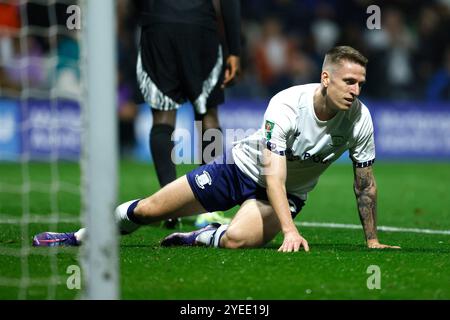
column 283, row 44
column 409, row 56
column 38, row 52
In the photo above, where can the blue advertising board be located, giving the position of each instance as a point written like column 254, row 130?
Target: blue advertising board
column 405, row 131
column 52, row 130
column 411, row 131
column 40, row 129
column 10, row 130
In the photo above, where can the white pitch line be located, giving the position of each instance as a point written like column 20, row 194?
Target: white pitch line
column 380, row 228
column 69, row 219
column 39, row 219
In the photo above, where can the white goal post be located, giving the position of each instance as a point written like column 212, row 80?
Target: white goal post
column 58, row 147
column 99, row 254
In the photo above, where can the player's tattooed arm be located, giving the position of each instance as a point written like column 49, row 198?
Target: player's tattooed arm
column 366, row 197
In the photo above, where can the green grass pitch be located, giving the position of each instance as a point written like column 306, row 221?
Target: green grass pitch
column 409, row 196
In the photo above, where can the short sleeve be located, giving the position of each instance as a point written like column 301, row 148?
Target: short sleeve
column 362, row 152
column 278, row 125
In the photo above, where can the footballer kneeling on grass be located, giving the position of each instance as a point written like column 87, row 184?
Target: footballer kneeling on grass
column 269, row 174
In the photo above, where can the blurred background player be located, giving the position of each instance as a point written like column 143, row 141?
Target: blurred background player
column 181, row 59
column 128, row 92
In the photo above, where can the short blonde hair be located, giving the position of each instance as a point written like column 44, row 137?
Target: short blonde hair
column 338, row 54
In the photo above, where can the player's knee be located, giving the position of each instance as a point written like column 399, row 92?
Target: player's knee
column 146, row 209
column 234, row 239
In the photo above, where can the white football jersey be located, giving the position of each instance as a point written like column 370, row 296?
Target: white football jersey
column 291, row 128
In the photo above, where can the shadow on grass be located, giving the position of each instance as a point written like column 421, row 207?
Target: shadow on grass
column 323, row 247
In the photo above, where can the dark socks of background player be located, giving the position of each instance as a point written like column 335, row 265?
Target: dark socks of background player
column 161, row 146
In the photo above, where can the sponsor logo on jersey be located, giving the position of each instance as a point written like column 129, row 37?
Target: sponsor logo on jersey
column 306, row 156
column 271, row 146
column 203, row 179
column 269, row 128
column 317, row 158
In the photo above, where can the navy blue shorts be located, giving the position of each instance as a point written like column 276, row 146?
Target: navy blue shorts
column 219, row 186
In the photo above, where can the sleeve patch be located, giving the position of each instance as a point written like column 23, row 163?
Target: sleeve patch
column 269, row 128
column 364, row 164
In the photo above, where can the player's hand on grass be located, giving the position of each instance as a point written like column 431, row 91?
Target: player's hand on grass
column 292, row 242
column 374, row 244
column 232, row 70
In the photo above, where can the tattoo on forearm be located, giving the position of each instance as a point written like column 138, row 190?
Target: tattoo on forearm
column 366, row 197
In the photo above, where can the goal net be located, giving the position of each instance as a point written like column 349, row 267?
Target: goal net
column 58, row 159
